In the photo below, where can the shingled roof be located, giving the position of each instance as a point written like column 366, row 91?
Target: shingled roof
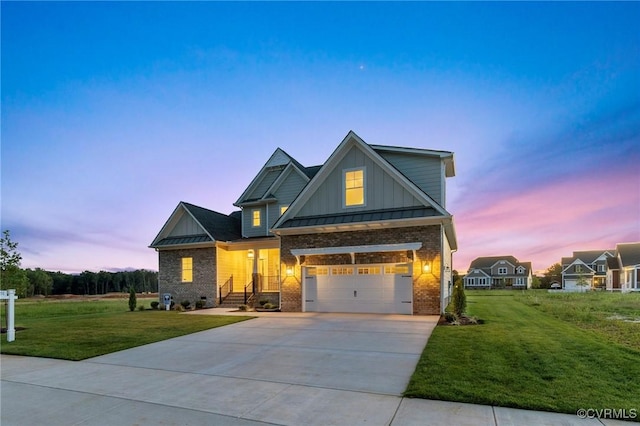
column 629, row 253
column 214, row 227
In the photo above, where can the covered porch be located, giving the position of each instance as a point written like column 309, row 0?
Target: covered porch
column 248, row 270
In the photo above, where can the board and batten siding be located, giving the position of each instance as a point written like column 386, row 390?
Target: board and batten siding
column 248, row 230
column 425, row 172
column 285, row 194
column 186, row 226
column 268, row 179
column 381, row 190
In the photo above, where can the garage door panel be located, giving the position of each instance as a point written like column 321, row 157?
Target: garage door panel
column 363, row 293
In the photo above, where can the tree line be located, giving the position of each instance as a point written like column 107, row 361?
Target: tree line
column 31, row 282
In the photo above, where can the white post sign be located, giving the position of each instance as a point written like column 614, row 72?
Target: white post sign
column 10, row 295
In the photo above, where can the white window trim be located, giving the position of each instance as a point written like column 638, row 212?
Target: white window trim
column 502, row 271
column 364, row 187
column 253, row 211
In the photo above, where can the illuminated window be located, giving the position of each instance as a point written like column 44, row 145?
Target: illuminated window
column 354, row 187
column 256, row 220
column 187, row 269
column 396, row 269
column 341, row 271
column 371, row 270
column 283, row 209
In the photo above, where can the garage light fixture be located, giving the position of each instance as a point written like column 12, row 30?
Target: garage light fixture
column 426, row 267
column 289, row 272
column 250, row 254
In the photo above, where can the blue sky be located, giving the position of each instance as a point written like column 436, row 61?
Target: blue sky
column 112, row 113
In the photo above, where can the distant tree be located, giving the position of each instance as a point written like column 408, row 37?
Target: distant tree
column 62, row 283
column 536, row 282
column 11, row 276
column 582, row 282
column 40, row 282
column 132, row 299
column 553, row 273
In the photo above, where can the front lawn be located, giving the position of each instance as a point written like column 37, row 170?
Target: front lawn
column 524, row 357
column 76, row 330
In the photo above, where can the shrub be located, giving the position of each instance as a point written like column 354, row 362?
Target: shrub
column 449, row 317
column 459, row 300
column 199, row 304
column 243, row 308
column 263, row 302
column 179, row 308
column 268, row 306
column 132, row 299
column 185, row 304
column 155, row 304
column 141, row 307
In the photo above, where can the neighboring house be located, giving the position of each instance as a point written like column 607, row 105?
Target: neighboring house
column 368, row 231
column 498, row 272
column 585, row 270
column 623, row 269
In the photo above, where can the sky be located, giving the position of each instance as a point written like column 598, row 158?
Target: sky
column 114, row 112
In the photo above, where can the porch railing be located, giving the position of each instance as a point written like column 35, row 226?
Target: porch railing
column 249, row 291
column 225, row 288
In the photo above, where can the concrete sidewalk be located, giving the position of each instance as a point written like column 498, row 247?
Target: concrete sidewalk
column 283, row 369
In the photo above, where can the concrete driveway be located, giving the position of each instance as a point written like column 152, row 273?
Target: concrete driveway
column 285, row 369
column 278, row 369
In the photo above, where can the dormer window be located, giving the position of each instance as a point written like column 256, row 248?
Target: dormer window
column 354, row 187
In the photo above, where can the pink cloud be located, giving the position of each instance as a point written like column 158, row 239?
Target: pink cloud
column 546, row 223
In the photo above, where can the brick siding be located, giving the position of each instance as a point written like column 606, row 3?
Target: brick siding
column 204, row 275
column 426, row 285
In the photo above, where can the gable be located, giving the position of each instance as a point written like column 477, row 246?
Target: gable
column 382, row 191
column 577, row 267
column 190, row 224
column 385, row 188
column 186, row 225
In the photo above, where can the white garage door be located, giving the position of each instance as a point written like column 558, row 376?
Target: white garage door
column 385, row 289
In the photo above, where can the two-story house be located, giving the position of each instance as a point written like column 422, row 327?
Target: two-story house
column 623, row 268
column 585, row 270
column 498, row 272
column 368, row 231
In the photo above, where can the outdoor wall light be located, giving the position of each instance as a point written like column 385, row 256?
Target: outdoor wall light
column 250, row 254
column 426, row 268
column 289, row 272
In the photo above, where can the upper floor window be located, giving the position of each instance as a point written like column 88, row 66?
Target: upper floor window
column 187, row 269
column 578, row 268
column 354, row 187
column 600, row 268
column 520, row 270
column 283, row 209
column 502, row 271
column 256, row 219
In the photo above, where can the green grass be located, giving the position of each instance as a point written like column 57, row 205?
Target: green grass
column 76, row 330
column 524, row 357
column 608, row 314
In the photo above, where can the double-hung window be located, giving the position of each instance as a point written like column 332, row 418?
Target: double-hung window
column 354, row 187
column 187, row 269
column 256, row 219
